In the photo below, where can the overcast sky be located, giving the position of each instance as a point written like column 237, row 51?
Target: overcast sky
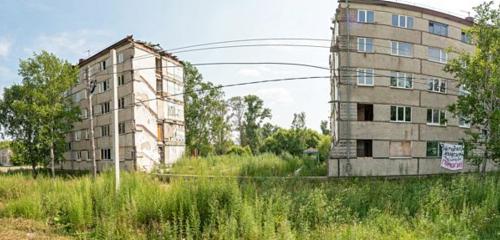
column 71, row 28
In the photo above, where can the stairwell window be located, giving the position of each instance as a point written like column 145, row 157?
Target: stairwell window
column 365, row 45
column 437, row 55
column 365, row 76
column 400, row 114
column 436, row 117
column 401, row 49
column 438, row 28
column 365, row 16
column 436, row 85
column 402, row 21
column 401, row 80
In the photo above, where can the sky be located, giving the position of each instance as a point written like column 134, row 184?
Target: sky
column 72, row 30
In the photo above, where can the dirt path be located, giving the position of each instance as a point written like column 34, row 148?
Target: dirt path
column 11, row 228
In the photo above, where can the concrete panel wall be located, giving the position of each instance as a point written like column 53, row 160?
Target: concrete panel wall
column 393, row 167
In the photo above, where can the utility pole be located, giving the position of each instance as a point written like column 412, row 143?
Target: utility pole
column 349, row 85
column 116, row 144
column 90, row 90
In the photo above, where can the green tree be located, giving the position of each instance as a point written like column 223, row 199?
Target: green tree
column 299, row 121
column 324, row 127
column 236, row 113
column 254, row 115
column 204, row 112
column 36, row 113
column 479, row 74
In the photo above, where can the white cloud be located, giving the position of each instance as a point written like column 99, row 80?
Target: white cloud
column 71, row 45
column 5, row 45
column 275, row 96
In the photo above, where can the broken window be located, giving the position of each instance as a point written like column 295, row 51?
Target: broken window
column 106, row 154
column 433, row 149
column 365, row 112
column 364, row 148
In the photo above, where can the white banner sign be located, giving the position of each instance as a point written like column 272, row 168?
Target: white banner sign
column 452, row 156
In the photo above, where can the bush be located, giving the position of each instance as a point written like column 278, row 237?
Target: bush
column 240, row 151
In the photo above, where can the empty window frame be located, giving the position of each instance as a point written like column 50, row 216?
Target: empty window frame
column 364, row 148
column 365, row 45
column 434, row 149
column 462, row 90
column 400, row 149
column 400, row 114
column 365, row 112
column 120, row 58
column 437, row 55
column 102, row 65
column 121, row 80
column 401, row 80
column 463, row 122
column 402, row 21
column 365, row 76
column 105, row 107
column 436, row 85
column 438, row 28
column 465, row 38
column 84, row 114
column 121, row 128
column 104, row 130
column 159, row 85
column 366, row 16
column 103, row 86
column 106, row 154
column 121, row 103
column 401, row 49
column 158, row 65
column 436, row 117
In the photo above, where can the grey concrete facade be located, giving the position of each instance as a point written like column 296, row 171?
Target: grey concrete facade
column 389, row 90
column 151, row 109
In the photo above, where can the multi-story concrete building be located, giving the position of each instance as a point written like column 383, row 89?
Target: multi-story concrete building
column 150, row 108
column 389, row 90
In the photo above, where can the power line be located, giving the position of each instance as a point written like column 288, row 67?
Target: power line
column 248, row 40
column 253, row 45
column 226, row 86
column 220, row 63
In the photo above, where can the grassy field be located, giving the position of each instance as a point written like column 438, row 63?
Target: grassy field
column 445, row 207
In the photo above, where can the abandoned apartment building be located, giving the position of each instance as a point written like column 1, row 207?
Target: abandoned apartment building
column 389, row 90
column 150, row 108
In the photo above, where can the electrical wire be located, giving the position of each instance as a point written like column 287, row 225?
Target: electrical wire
column 248, row 40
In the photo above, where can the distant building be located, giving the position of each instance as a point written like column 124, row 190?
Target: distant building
column 150, row 102
column 5, row 155
column 390, row 92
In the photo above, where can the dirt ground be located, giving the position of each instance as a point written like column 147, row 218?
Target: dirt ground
column 11, row 228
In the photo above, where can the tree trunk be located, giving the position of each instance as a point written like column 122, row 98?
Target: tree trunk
column 52, row 160
column 33, row 169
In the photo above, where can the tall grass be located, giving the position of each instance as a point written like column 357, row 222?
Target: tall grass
column 261, row 165
column 445, row 207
